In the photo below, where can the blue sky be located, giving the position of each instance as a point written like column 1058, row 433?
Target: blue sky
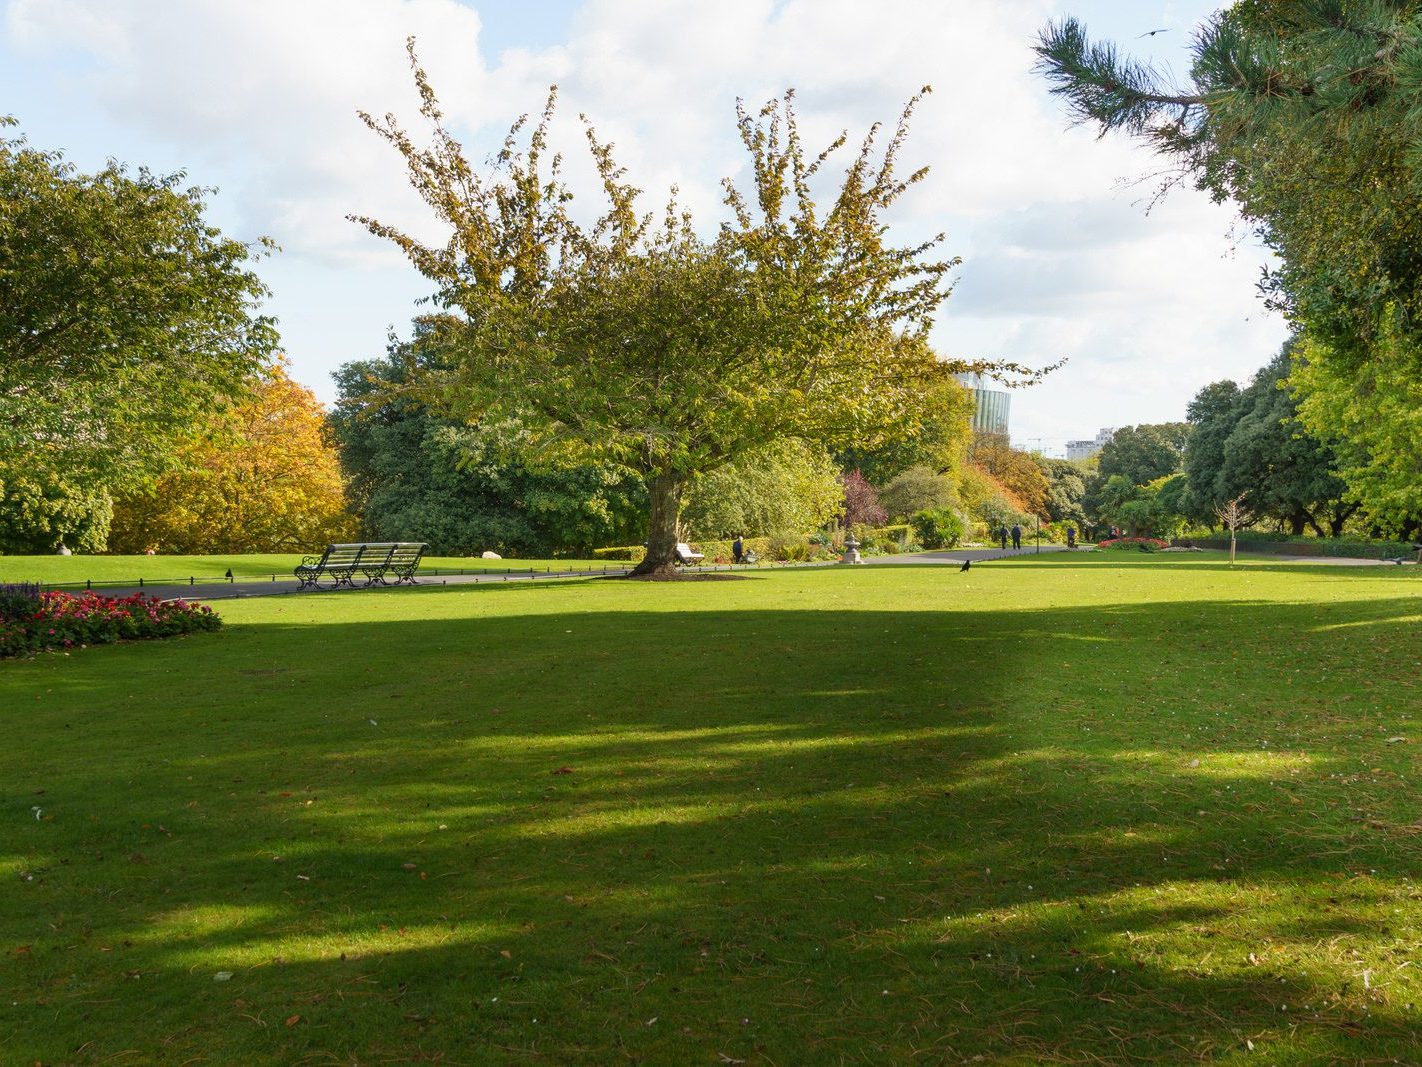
column 257, row 98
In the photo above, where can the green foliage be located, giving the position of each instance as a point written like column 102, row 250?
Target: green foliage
column 939, row 527
column 41, row 509
column 463, row 489
column 621, row 553
column 786, row 485
column 939, row 444
column 1373, row 419
column 919, row 488
column 1144, row 453
column 1066, row 490
column 1149, row 509
column 1249, row 442
column 125, row 316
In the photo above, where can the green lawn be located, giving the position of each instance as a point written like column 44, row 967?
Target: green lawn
column 128, row 569
column 1059, row 809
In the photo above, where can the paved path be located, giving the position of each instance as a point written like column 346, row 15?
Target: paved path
column 250, row 587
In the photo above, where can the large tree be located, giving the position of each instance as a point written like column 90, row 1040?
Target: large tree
column 1146, row 452
column 124, row 317
column 260, row 476
column 646, row 343
column 1308, row 115
column 1249, row 444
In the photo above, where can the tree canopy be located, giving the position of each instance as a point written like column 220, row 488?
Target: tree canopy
column 636, row 340
column 1308, row 115
column 416, row 474
column 124, row 317
column 260, row 476
column 1146, row 452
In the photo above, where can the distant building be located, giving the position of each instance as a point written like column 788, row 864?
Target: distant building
column 1087, row 449
column 990, row 406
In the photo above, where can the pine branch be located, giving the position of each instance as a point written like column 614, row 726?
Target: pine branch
column 1100, row 87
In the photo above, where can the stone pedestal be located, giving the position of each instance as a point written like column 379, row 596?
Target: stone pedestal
column 851, row 551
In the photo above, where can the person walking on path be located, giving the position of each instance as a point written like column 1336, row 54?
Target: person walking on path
column 1071, row 537
column 1002, row 535
column 738, row 548
column 1016, row 536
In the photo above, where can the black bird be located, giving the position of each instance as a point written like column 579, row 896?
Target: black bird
column 966, row 564
column 1152, row 33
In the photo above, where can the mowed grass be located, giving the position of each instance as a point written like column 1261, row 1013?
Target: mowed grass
column 52, row 570
column 1056, row 809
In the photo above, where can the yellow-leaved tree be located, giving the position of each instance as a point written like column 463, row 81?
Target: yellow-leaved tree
column 263, row 476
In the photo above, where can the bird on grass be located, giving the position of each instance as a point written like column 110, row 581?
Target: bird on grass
column 966, row 564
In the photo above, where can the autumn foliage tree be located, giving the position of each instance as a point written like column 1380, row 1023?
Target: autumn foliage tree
column 640, row 341
column 262, row 477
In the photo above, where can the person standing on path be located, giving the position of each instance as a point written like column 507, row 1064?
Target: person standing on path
column 738, row 548
column 1071, row 537
column 1016, row 536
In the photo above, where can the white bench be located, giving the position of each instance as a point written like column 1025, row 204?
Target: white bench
column 686, row 557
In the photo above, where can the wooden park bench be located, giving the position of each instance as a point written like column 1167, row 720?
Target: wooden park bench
column 373, row 561
column 686, row 557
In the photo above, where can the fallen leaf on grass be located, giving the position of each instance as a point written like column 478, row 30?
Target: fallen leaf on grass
column 1395, row 740
column 292, row 1020
column 563, row 770
column 505, row 953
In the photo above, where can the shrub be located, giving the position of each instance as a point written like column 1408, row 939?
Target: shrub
column 66, row 620
column 18, row 600
column 919, row 488
column 622, row 553
column 720, row 551
column 1134, row 544
column 791, row 547
column 938, row 527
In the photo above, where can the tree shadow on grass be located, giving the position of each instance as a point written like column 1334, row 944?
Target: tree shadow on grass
column 1126, row 833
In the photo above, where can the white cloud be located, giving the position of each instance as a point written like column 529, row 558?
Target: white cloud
column 1059, row 258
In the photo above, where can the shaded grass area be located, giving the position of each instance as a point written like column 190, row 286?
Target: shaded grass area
column 1054, row 810
column 63, row 569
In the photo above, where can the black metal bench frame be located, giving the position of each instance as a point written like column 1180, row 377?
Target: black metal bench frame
column 374, row 561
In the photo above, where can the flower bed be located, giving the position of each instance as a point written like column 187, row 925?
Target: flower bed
column 37, row 622
column 1134, row 544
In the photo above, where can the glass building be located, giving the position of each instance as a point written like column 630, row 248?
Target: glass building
column 991, row 406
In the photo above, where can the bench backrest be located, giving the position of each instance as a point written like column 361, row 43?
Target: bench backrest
column 373, row 554
column 404, row 553
column 341, row 556
column 684, row 551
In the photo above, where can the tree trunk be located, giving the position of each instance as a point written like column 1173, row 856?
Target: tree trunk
column 664, row 490
column 1296, row 524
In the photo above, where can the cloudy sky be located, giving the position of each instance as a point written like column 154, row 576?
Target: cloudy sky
column 1060, row 257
